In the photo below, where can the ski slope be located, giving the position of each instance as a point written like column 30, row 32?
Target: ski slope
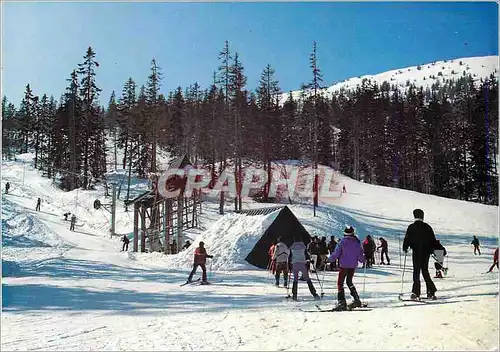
column 65, row 290
column 424, row 75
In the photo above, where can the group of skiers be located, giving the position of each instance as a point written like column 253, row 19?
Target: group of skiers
column 319, row 250
column 369, row 249
column 348, row 252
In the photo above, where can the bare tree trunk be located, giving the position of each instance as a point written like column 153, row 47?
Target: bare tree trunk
column 116, row 160
column 221, row 202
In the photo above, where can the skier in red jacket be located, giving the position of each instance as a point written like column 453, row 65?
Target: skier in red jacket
column 200, row 258
column 495, row 261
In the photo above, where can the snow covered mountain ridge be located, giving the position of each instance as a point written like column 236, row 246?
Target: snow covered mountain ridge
column 424, row 75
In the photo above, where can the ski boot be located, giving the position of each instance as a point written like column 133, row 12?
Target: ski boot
column 341, row 304
column 431, row 295
column 357, row 302
column 414, row 297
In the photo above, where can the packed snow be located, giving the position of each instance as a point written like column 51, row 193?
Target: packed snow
column 64, row 290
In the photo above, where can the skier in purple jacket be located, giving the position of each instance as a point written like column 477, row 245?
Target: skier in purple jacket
column 349, row 251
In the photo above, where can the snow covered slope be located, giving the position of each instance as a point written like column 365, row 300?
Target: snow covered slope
column 424, row 75
column 65, row 290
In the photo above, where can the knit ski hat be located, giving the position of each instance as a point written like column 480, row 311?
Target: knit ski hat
column 349, row 231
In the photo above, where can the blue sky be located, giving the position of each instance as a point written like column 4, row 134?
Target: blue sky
column 43, row 42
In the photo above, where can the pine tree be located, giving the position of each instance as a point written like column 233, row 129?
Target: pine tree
column 152, row 96
column 315, row 87
column 290, row 146
column 26, row 117
column 92, row 131
column 112, row 124
column 125, row 119
column 141, row 135
column 10, row 128
column 177, row 117
column 223, row 79
column 237, row 84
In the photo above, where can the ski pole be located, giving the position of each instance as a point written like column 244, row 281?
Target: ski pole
column 210, row 270
column 319, row 282
column 399, row 240
column 288, row 282
column 364, row 280
column 323, row 278
column 403, row 275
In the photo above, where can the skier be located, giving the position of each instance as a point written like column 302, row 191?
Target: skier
column 344, row 190
column 475, row 242
column 323, row 253
column 7, row 187
column 186, row 244
column 439, row 254
column 299, row 258
column 421, row 239
column 385, row 250
column 125, row 241
column 66, row 216
column 200, row 258
column 331, row 248
column 272, row 264
column 38, row 203
column 495, row 261
column 368, row 251
column 73, row 221
column 350, row 252
column 373, row 250
column 280, row 257
column 313, row 249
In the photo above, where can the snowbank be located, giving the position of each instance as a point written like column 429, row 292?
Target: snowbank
column 229, row 240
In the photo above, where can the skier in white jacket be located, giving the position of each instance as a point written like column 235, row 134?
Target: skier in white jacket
column 280, row 256
column 299, row 260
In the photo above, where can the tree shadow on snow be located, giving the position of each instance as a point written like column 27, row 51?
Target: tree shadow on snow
column 39, row 297
column 22, row 241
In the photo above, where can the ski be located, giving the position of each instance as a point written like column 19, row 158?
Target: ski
column 203, row 283
column 419, row 300
column 303, row 300
column 363, row 305
column 364, row 308
column 190, row 282
column 210, row 282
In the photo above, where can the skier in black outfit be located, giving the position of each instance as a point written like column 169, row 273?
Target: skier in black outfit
column 385, row 250
column 7, row 187
column 475, row 242
column 331, row 248
column 73, row 221
column 313, row 249
column 126, row 241
column 323, row 253
column 421, row 239
column 38, row 203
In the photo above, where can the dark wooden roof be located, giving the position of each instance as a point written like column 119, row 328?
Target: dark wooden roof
column 180, row 162
column 147, row 198
column 261, row 211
